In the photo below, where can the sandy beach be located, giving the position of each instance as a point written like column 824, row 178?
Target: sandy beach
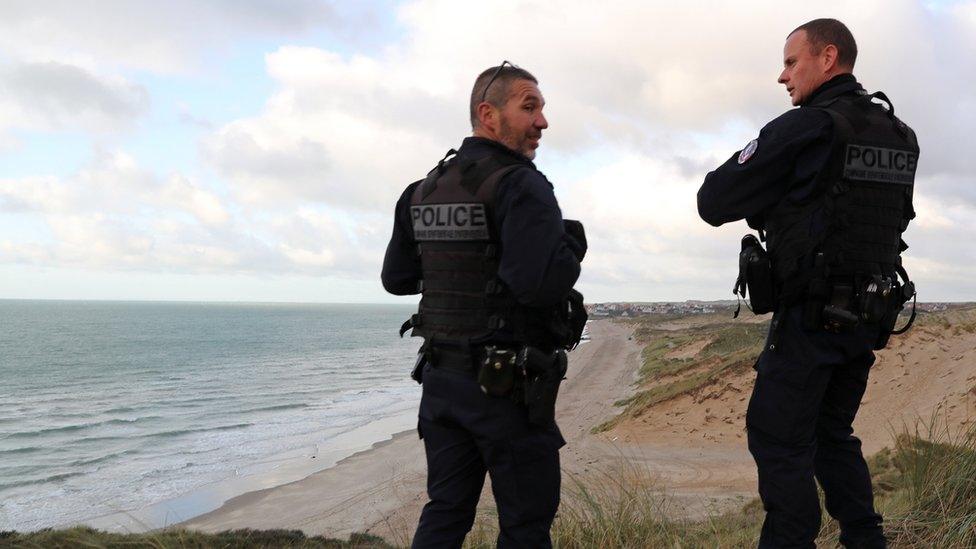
column 382, row 490
column 693, row 445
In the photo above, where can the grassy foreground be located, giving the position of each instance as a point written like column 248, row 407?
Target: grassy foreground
column 925, row 487
column 175, row 538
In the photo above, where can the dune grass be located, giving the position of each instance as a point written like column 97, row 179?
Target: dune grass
column 730, row 348
column 178, row 538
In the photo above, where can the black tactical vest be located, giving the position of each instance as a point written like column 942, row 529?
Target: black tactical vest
column 452, row 213
column 852, row 229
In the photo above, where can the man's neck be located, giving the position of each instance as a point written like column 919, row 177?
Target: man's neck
column 484, row 133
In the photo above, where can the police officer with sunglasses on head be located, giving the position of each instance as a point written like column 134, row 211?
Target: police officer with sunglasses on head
column 482, row 239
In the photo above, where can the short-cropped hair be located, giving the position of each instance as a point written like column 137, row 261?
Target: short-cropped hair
column 823, row 32
column 499, row 88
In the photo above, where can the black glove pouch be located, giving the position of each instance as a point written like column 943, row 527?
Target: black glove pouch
column 496, row 375
column 543, row 374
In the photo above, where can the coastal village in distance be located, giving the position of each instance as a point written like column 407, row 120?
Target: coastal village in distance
column 692, row 307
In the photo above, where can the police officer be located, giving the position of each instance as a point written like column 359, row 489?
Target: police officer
column 830, row 186
column 483, row 240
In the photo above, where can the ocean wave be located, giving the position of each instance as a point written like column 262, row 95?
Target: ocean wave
column 199, row 401
column 47, row 431
column 179, row 432
column 77, row 427
column 276, row 408
column 101, row 459
column 24, row 450
column 51, row 478
column 98, row 440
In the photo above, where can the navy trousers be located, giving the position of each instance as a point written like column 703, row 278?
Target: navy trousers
column 467, row 434
column 806, row 395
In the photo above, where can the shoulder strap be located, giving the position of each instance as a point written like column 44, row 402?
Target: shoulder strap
column 430, row 182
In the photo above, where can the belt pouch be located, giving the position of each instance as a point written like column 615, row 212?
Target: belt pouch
column 496, row 376
column 543, row 374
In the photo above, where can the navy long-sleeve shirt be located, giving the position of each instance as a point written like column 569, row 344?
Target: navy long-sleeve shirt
column 790, row 152
column 538, row 261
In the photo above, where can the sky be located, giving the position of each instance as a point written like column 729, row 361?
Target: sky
column 250, row 150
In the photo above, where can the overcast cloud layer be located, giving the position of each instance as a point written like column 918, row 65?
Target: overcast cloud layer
column 643, row 99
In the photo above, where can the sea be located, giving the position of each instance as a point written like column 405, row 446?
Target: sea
column 129, row 416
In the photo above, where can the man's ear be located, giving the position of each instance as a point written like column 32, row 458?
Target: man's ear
column 487, row 116
column 829, row 57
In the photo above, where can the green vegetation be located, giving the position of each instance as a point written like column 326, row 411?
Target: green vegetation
column 178, row 538
column 924, row 487
column 959, row 319
column 932, row 498
column 672, row 365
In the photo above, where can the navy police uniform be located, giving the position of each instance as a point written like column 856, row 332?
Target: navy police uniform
column 795, row 181
column 482, row 238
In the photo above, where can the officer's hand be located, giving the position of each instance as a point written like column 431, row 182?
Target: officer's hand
column 575, row 230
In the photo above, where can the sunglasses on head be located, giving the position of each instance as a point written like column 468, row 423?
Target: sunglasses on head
column 484, row 94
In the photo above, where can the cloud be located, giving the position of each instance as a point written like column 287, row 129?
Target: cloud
column 170, row 37
column 58, row 96
column 642, row 98
column 336, row 132
column 114, row 214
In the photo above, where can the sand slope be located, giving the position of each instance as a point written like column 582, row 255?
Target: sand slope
column 929, row 371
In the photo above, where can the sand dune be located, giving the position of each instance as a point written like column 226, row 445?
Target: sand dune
column 930, row 372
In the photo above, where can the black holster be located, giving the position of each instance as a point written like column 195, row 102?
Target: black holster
column 543, row 372
column 898, row 296
column 755, row 276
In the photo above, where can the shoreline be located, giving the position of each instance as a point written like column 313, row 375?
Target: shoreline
column 287, row 468
column 382, row 489
column 246, row 498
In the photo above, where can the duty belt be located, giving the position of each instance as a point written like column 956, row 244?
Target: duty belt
column 455, row 358
column 459, row 359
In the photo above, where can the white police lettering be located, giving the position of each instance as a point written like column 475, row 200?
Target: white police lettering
column 748, row 151
column 449, row 222
column 868, row 163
